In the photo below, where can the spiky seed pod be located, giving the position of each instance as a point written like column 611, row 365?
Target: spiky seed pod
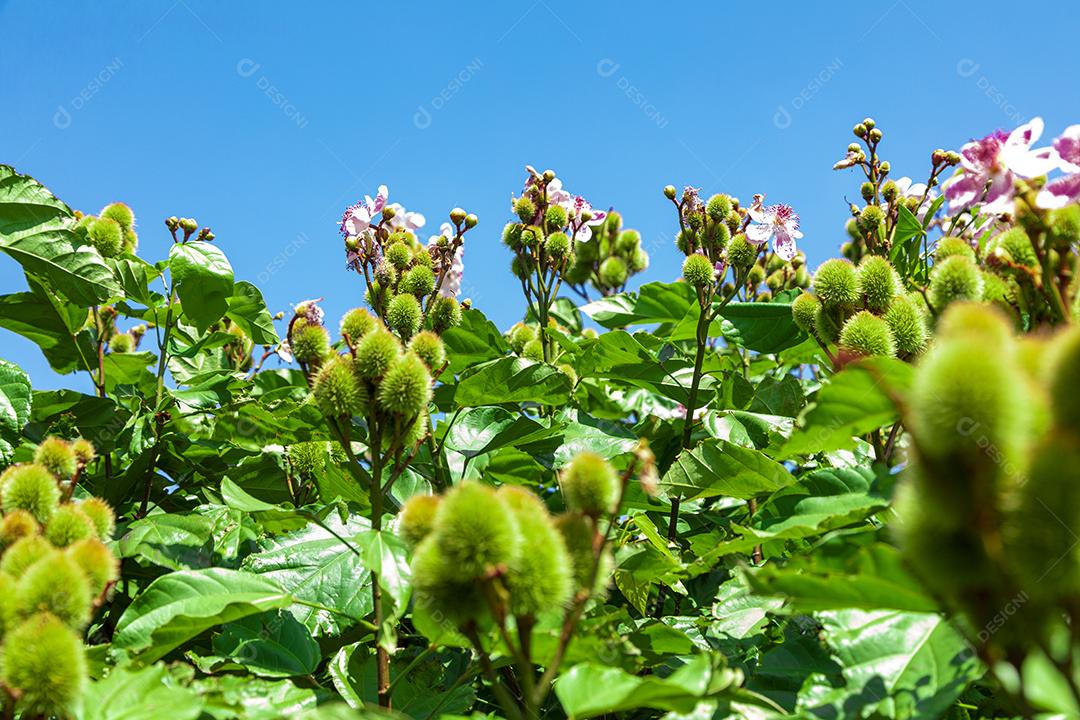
column 405, row 390
column 590, row 484
column 996, row 289
column 403, row 315
column 804, row 310
column 57, row 456
column 417, row 518
column 96, row 561
column 1064, row 226
column 555, row 218
column 878, row 283
column 445, row 314
column 717, row 207
column 954, row 278
column 131, row 241
column 740, row 253
column 613, row 272
column 31, row 488
column 698, row 271
column 310, row 343
column 908, row 326
column 579, row 533
column 107, row 237
column 557, row 245
column 67, row 525
column 542, row 578
column 82, row 228
column 836, row 285
column 122, row 343
column 46, row 662
column 519, row 335
column 441, row 589
column 1012, row 247
column 398, row 255
column 476, row 531
column 385, row 274
column 23, row 553
column 429, row 348
column 976, row 323
column 870, row 218
column 15, row 525
column 422, row 256
column 533, row 350
column 119, row 213
column 337, row 391
column 56, row 585
column 532, row 236
column 376, row 353
column 1063, row 376
column 418, row 280
column 868, row 335
column 628, row 242
column 101, row 515
column 639, row 261
column 357, row 323
column 949, row 246
column 511, row 235
column 307, row 458
column 525, row 209
column 685, row 241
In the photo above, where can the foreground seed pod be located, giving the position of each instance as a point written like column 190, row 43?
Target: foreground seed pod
column 697, row 270
column 878, row 283
column 57, row 456
column 541, row 579
column 67, row 525
column 475, row 531
column 1063, row 374
column 589, row 484
column 84, row 450
column 356, row 323
column 403, row 315
column 17, row 524
column 405, row 390
column 45, row 661
column 804, row 310
column 101, row 515
column 23, row 553
column 867, row 335
column 953, row 279
column 417, row 518
column 613, row 272
column 907, row 323
column 31, row 488
column 97, row 563
column 441, row 589
column 310, row 343
column 836, row 285
column 57, row 585
column 740, row 253
column 376, row 353
column 336, row 391
column 107, row 237
column 428, row 347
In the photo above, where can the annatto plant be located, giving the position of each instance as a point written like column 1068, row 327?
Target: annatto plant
column 763, row 489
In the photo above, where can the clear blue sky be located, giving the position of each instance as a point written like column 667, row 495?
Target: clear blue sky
column 167, row 106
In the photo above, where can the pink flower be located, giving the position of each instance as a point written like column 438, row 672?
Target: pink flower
column 451, row 284
column 1064, row 190
column 776, row 222
column 358, row 217
column 998, row 159
column 909, row 189
column 405, row 220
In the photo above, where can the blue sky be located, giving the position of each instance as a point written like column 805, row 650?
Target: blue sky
column 264, row 119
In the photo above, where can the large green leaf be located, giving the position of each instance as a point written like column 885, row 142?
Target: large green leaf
column 513, row 380
column 721, row 468
column 762, row 327
column 248, row 310
column 654, row 302
column 35, row 229
column 474, row 341
column 172, row 540
column 15, row 402
column 177, row 607
column 203, row 279
column 272, row 644
column 139, row 694
column 53, row 325
column 857, row 400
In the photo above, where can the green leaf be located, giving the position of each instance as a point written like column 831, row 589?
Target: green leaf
column 484, row 429
column 35, row 230
column 474, row 341
column 177, row 607
column 721, row 468
column 172, row 540
column 53, row 325
column 654, row 302
column 203, row 279
column 139, row 694
column 583, row 433
column 15, row 403
column 857, row 400
column 513, row 380
column 428, row 692
column 248, row 310
column 762, row 327
column 272, row 644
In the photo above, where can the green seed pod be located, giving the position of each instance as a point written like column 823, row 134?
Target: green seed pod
column 405, row 390
column 557, row 245
column 417, row 518
column 1063, row 378
column 418, row 280
column 23, row 553
column 639, row 261
column 1012, row 247
column 31, row 488
column 589, row 484
column 511, row 235
column 307, row 458
column 717, row 236
column 803, row 311
column 541, row 579
column 878, row 283
column 45, row 661
column 525, row 209
column 422, row 256
column 949, row 246
column 403, row 315
column 889, row 191
column 375, row 353
column 697, row 271
column 17, row 524
column 836, row 285
column 106, row 236
column 997, row 289
column 555, row 218
column 429, row 348
column 975, row 322
column 907, row 324
column 826, row 325
column 84, row 450
column 82, row 228
column 337, row 391
column 613, row 272
column 56, row 585
column 119, row 213
column 579, row 533
column 356, row 323
column 685, row 241
column 740, row 253
column 441, row 589
column 67, row 525
column 310, row 343
column 97, row 563
column 398, row 255
column 954, row 278
column 101, row 515
column 867, row 191
column 476, row 531
column 445, row 314
column 773, row 263
column 56, row 455
column 1064, row 226
column 868, row 335
column 385, row 275
column 718, row 207
column 628, row 243
column 131, row 241
column 122, row 343
column 802, row 278
column 519, row 335
column 532, row 236
column 870, row 219
column 533, row 350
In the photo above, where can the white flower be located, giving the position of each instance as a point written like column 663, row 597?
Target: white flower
column 358, row 217
column 776, row 222
column 404, row 219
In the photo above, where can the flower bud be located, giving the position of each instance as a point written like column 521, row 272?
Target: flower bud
column 803, row 311
column 336, row 391
column 388, row 212
column 405, row 389
column 56, row 455
column 698, row 271
column 429, row 348
column 589, row 484
column 188, row 225
column 867, row 335
column 45, row 662
column 875, row 135
column 471, row 221
column 859, row 130
column 885, row 167
column 457, row 216
column 836, row 284
column 878, row 283
column 31, row 488
column 669, row 192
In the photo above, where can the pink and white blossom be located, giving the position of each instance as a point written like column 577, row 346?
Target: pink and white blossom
column 910, row 189
column 403, row 219
column 778, row 223
column 358, row 217
column 1061, row 191
column 998, row 160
